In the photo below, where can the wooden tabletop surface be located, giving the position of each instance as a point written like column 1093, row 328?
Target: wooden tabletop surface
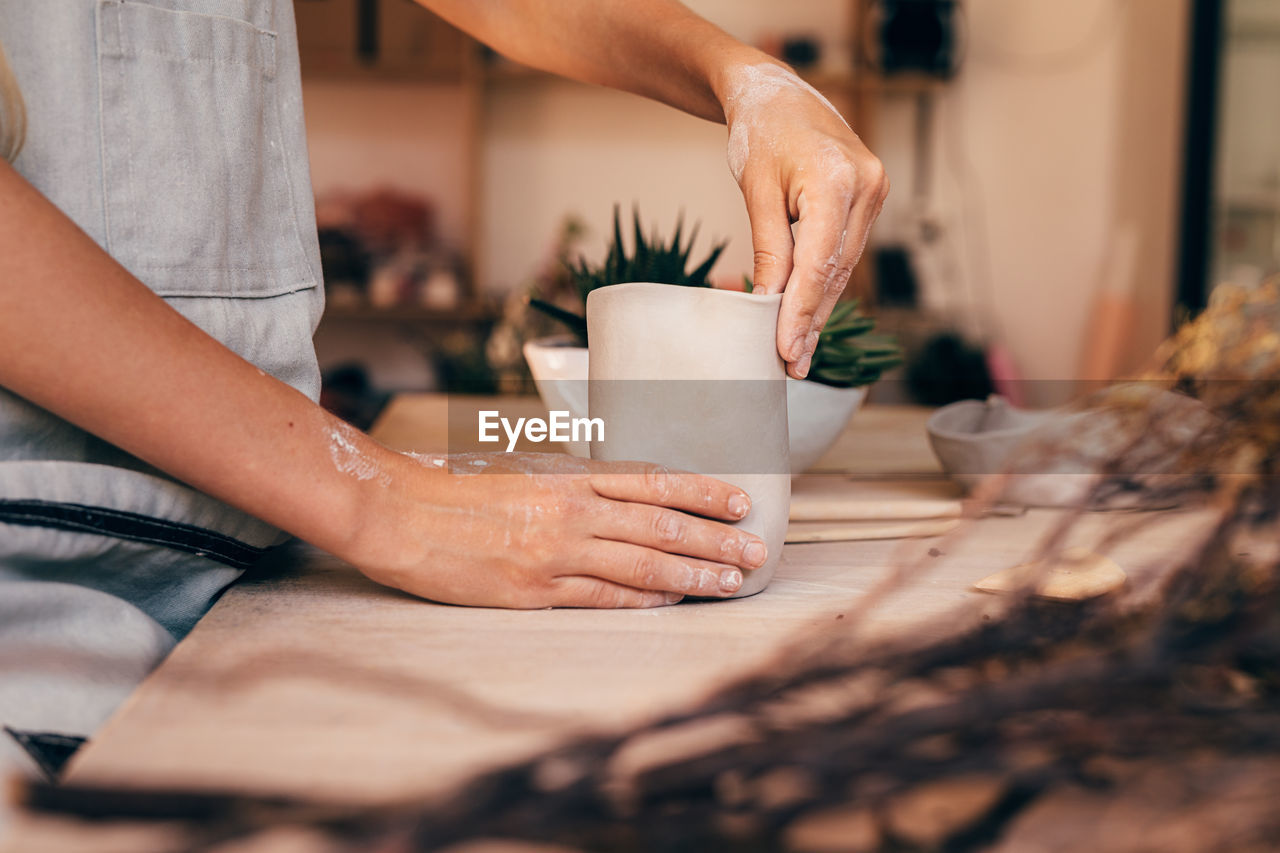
column 312, row 681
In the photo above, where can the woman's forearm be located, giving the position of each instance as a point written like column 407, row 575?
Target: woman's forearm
column 795, row 158
column 655, row 48
column 84, row 339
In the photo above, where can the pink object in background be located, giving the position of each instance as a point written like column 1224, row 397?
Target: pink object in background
column 1004, row 374
column 1113, row 317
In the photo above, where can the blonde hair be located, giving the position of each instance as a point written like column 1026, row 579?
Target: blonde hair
column 13, row 112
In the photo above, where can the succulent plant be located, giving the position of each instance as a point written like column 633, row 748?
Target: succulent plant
column 846, row 356
column 652, row 260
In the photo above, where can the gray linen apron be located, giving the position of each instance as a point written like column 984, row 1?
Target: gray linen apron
column 171, row 131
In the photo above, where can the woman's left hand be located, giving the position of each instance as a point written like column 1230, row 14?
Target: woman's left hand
column 796, row 160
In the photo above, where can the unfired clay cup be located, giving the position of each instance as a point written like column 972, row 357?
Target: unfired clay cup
column 817, row 414
column 691, row 378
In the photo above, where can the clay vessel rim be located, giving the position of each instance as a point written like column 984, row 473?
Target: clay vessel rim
column 760, row 298
column 568, row 342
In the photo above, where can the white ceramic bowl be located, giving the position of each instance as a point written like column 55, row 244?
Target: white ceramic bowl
column 559, row 369
column 816, row 413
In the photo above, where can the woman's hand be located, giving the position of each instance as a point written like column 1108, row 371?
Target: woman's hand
column 531, row 530
column 796, row 160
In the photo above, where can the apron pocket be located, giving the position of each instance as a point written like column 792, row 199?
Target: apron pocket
column 196, row 178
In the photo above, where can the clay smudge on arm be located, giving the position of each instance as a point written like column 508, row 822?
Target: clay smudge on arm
column 349, row 459
column 458, row 463
column 739, row 149
column 432, row 460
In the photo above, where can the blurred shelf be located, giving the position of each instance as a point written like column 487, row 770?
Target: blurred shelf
column 379, row 40
column 505, row 71
column 900, row 84
column 871, row 82
column 1260, row 202
column 345, row 71
column 1263, row 31
column 466, row 316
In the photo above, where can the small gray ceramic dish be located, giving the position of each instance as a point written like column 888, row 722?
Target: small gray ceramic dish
column 974, row 439
column 1055, row 457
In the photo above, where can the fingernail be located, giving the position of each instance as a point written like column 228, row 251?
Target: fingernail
column 730, row 581
column 739, row 505
column 755, row 553
column 802, row 366
column 671, row 597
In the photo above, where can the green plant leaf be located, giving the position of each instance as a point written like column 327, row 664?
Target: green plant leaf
column 675, row 249
column 841, row 311
column 577, row 324
column 698, row 278
column 651, row 259
column 881, row 362
column 877, row 344
column 641, row 247
column 614, row 261
column 849, row 328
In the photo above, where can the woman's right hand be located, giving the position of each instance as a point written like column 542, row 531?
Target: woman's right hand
column 531, row 530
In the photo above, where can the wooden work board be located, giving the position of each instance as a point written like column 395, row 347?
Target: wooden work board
column 310, row 681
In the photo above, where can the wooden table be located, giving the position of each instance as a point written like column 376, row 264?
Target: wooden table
column 312, row 681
